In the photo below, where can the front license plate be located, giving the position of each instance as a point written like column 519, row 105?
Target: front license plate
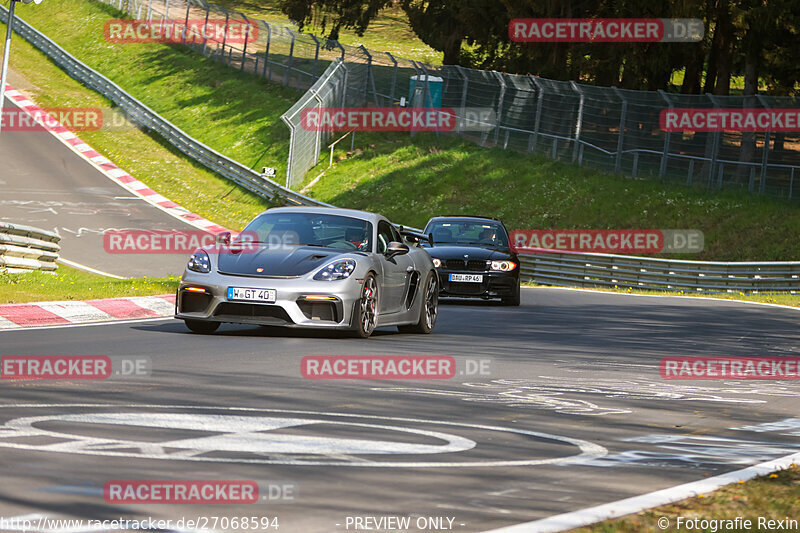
column 252, row 295
column 470, row 278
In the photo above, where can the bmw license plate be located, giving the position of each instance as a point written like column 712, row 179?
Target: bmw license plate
column 469, row 278
column 252, row 295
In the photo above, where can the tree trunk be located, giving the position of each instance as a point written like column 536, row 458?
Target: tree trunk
column 694, row 71
column 748, row 147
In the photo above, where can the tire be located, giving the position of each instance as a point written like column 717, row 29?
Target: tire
column 201, row 326
column 514, row 299
column 365, row 312
column 429, row 309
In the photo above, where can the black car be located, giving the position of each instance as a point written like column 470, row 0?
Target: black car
column 473, row 258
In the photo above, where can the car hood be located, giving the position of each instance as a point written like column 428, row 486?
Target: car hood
column 473, row 252
column 274, row 261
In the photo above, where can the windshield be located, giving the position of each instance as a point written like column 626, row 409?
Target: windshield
column 468, row 233
column 311, row 229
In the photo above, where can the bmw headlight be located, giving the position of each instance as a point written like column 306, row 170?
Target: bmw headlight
column 337, row 270
column 503, row 266
column 436, row 262
column 199, row 262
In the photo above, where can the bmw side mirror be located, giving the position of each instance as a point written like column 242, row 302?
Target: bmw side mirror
column 396, row 248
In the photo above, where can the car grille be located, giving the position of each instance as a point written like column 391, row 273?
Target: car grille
column 266, row 313
column 473, row 265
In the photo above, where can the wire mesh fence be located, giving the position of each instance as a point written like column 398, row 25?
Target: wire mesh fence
column 606, row 128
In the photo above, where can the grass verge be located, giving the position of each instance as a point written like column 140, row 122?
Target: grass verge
column 772, row 497
column 410, row 179
column 72, row 284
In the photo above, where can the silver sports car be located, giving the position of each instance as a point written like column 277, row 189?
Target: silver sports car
column 312, row 267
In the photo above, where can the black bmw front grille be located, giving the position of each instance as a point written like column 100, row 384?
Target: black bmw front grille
column 473, row 265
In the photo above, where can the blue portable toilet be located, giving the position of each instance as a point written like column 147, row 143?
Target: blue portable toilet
column 419, row 97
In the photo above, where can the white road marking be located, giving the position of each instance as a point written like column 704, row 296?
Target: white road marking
column 79, row 266
column 97, row 446
column 637, row 504
column 87, row 324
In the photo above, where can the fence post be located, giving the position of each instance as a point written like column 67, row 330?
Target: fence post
column 538, row 121
column 714, row 147
column 579, row 120
column 500, row 101
column 662, row 169
column 463, row 121
column 267, row 68
column 166, row 12
column 316, row 58
column 394, row 78
column 346, row 81
column 246, row 39
column 205, row 27
column 291, row 59
column 149, row 11
column 765, row 157
column 225, row 33
column 370, row 78
column 318, row 143
column 186, row 22
column 623, row 117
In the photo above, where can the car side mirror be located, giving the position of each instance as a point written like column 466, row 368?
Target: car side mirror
column 396, row 248
column 224, row 238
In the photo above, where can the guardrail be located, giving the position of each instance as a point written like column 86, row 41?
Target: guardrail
column 570, row 269
column 24, row 248
column 145, row 117
column 609, row 270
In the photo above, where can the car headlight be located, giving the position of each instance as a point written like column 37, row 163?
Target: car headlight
column 436, row 262
column 503, row 266
column 337, row 270
column 199, row 262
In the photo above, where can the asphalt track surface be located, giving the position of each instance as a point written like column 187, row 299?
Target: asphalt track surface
column 46, row 185
column 569, row 371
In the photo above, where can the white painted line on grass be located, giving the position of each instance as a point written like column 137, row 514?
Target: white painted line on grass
column 637, row 504
column 85, row 268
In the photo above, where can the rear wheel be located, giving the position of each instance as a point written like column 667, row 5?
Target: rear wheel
column 428, row 310
column 514, row 299
column 201, row 326
column 366, row 308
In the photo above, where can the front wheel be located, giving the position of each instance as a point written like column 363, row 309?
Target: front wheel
column 429, row 309
column 366, row 308
column 201, row 326
column 514, row 299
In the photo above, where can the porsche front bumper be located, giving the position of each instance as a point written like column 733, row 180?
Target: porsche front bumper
column 300, row 302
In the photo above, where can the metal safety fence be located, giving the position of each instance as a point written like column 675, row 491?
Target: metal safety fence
column 606, row 128
column 25, row 248
column 625, row 271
